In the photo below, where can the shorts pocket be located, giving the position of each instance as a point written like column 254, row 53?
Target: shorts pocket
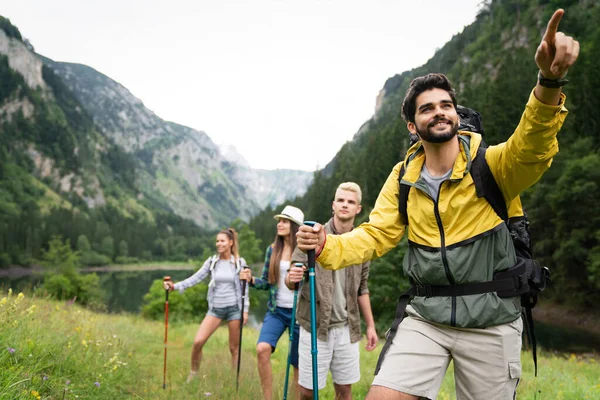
column 514, row 369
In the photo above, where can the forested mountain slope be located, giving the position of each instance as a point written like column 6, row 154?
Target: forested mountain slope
column 491, row 64
column 82, row 158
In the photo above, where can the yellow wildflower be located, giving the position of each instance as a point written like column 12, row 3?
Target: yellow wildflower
column 35, row 394
column 84, row 343
column 21, row 295
column 3, row 301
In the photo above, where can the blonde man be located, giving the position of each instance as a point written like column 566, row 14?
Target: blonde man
column 340, row 295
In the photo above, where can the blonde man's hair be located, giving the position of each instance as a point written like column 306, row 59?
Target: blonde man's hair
column 351, row 187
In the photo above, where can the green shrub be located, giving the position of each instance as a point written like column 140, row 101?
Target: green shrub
column 4, row 260
column 190, row 305
column 84, row 287
column 60, row 255
column 123, row 248
column 89, row 291
column 107, row 246
column 83, row 244
column 60, row 287
column 92, row 258
column 127, row 260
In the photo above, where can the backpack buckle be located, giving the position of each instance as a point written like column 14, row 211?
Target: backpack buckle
column 521, row 283
column 424, row 291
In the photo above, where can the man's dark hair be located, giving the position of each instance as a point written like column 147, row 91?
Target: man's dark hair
column 420, row 85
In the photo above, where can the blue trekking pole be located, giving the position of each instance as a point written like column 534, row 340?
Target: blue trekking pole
column 297, row 288
column 313, row 317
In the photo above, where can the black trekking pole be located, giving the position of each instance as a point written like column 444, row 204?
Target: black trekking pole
column 297, row 288
column 239, row 361
column 313, row 318
column 165, row 280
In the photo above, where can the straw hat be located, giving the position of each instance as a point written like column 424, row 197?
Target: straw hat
column 291, row 213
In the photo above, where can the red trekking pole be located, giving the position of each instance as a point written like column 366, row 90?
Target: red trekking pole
column 165, row 280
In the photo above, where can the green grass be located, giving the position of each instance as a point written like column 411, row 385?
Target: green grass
column 56, row 343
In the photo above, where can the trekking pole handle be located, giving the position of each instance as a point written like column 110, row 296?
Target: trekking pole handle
column 297, row 284
column 166, row 281
column 311, row 253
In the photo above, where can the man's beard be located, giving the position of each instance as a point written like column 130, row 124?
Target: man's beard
column 427, row 136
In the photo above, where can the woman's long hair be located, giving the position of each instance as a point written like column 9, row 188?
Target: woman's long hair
column 233, row 236
column 278, row 245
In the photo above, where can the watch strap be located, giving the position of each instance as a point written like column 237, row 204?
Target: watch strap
column 551, row 83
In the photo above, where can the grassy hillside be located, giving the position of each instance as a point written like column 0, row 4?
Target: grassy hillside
column 53, row 350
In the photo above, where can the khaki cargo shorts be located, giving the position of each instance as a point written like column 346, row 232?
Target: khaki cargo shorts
column 338, row 355
column 487, row 362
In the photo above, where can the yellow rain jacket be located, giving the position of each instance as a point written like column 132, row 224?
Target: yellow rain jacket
column 457, row 238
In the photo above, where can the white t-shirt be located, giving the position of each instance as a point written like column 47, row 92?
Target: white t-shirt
column 285, row 297
column 224, row 277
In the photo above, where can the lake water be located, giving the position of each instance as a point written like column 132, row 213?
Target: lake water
column 126, row 289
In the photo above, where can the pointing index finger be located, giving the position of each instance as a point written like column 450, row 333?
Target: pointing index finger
column 552, row 27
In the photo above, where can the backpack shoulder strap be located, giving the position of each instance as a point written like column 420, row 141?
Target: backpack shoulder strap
column 403, row 196
column 486, row 185
column 213, row 262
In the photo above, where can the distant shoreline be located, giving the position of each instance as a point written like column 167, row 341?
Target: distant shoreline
column 18, row 272
column 15, row 271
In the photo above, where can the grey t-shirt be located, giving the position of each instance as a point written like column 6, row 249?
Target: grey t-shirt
column 224, row 277
column 339, row 314
column 434, row 182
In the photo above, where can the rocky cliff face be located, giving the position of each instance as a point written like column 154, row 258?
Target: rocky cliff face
column 182, row 164
column 268, row 187
column 23, row 61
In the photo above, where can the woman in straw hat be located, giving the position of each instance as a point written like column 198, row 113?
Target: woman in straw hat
column 274, row 275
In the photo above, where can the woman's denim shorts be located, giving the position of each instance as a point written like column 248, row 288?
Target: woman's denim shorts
column 227, row 313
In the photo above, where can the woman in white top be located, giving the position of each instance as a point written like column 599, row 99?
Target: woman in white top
column 278, row 318
column 224, row 296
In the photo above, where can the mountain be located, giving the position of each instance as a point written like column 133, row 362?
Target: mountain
column 83, row 159
column 268, row 187
column 491, row 65
column 182, row 164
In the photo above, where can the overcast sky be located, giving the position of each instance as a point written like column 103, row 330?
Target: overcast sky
column 277, row 79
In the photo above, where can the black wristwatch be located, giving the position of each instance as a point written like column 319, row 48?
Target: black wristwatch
column 551, row 83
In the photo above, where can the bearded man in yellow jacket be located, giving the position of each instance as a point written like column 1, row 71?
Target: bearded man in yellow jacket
column 455, row 237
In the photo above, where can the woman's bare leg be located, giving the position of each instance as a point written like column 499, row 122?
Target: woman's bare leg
column 263, row 355
column 208, row 326
column 234, row 341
